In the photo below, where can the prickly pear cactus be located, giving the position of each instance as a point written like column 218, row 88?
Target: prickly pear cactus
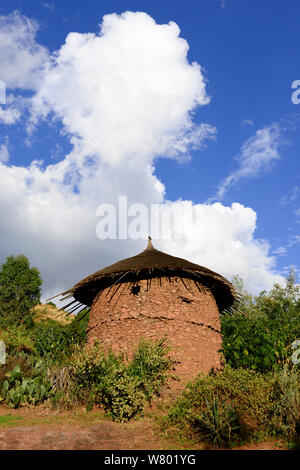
column 17, row 389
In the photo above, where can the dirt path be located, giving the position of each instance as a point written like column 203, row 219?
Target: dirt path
column 42, row 429
column 106, row 435
column 33, row 429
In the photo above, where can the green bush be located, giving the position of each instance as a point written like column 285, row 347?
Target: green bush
column 17, row 339
column 150, row 364
column 56, row 341
column 252, row 392
column 51, row 339
column 122, row 394
column 258, row 332
column 286, row 402
column 260, row 344
column 122, row 387
column 258, row 403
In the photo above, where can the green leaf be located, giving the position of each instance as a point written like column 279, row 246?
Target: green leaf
column 5, row 386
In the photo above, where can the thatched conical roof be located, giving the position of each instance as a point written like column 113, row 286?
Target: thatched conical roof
column 146, row 265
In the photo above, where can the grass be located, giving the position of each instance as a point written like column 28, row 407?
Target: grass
column 42, row 416
column 9, row 420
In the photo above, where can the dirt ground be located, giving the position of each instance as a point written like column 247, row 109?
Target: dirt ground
column 39, row 428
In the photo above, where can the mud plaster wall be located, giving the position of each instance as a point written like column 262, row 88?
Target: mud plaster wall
column 170, row 307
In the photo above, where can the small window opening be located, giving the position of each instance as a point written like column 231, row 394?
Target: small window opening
column 135, row 290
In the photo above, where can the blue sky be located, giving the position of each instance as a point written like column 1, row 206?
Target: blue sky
column 247, row 155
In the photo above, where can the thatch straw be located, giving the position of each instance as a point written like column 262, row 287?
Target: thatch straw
column 148, row 264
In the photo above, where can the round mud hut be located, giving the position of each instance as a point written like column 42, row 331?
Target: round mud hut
column 154, row 295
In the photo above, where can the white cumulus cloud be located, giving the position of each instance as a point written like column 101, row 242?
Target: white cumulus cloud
column 126, row 93
column 21, row 62
column 21, row 57
column 124, row 96
column 223, row 239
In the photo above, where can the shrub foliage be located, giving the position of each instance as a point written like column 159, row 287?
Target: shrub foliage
column 259, row 332
column 20, row 289
column 238, row 404
column 122, row 387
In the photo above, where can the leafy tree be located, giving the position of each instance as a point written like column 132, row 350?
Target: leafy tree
column 259, row 332
column 20, row 290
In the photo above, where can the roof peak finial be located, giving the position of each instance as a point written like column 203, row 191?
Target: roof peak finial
column 150, row 246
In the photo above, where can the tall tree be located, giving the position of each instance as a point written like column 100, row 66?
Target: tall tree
column 20, row 290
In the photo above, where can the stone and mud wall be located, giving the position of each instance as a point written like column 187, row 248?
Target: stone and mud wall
column 176, row 308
